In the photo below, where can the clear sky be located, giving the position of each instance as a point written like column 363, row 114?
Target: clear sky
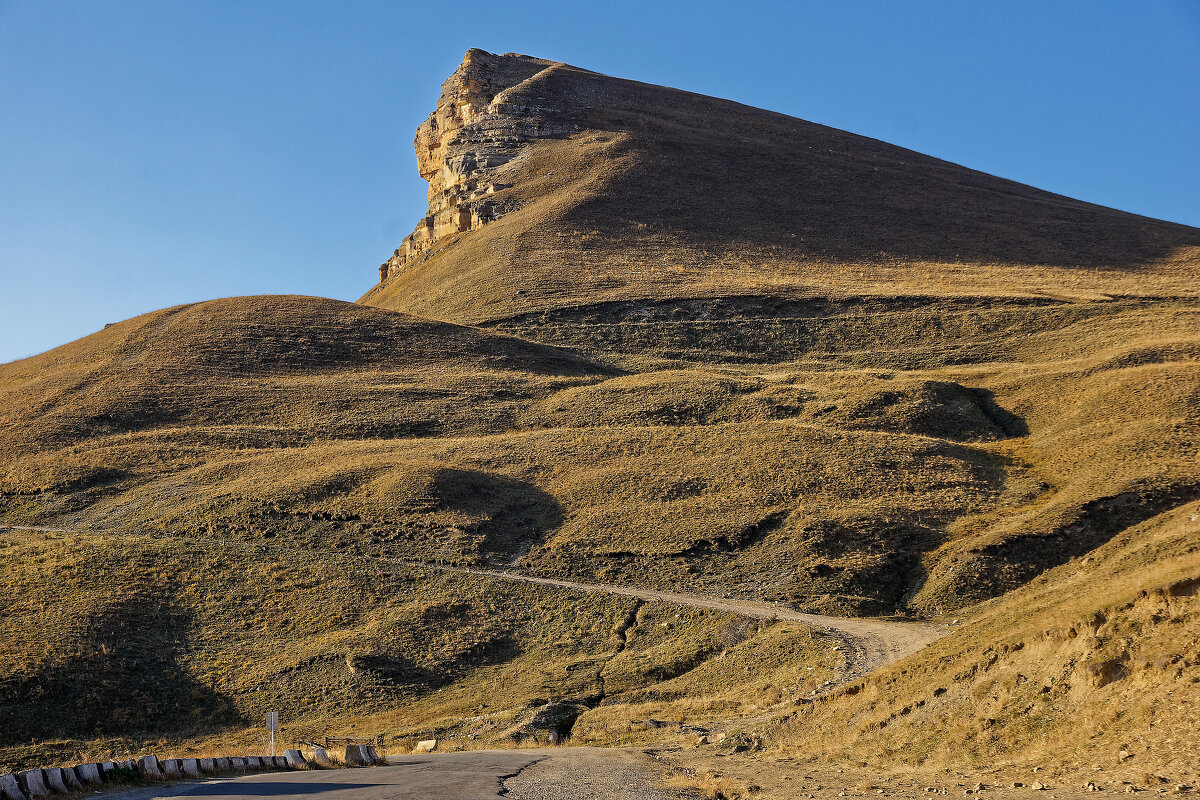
column 157, row 152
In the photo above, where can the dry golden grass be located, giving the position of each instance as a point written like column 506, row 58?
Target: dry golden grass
column 835, row 488
column 941, row 390
column 709, row 785
column 118, row 643
column 1099, row 656
column 762, row 676
column 833, row 483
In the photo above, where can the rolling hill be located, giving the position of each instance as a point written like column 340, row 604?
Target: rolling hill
column 646, row 338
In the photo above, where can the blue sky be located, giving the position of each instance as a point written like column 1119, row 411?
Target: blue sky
column 156, row 153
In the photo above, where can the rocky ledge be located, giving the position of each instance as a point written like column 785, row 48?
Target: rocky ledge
column 487, row 113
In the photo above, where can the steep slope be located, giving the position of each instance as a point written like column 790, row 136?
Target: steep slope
column 695, row 241
column 552, row 186
column 1085, row 680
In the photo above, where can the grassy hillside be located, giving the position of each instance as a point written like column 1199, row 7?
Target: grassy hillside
column 278, row 370
column 118, row 642
column 1088, row 675
column 1091, row 670
column 845, row 487
column 862, row 381
column 831, row 482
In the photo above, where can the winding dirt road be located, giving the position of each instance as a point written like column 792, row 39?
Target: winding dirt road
column 872, row 643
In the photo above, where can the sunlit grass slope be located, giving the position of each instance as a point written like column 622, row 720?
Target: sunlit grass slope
column 1094, row 664
column 700, row 356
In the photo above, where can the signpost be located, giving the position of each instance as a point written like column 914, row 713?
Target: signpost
column 272, row 726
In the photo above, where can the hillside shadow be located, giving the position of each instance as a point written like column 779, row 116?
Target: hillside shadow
column 865, row 566
column 1012, row 425
column 1018, row 560
column 515, row 515
column 123, row 676
column 394, row 673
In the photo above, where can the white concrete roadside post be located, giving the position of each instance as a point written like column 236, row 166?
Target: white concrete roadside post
column 148, row 766
column 357, row 756
column 89, row 773
column 54, row 779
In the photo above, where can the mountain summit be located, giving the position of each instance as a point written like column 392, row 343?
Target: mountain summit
column 553, row 186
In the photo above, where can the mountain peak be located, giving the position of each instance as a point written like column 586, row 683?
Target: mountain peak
column 552, row 186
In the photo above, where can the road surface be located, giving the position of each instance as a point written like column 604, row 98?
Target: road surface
column 573, row 773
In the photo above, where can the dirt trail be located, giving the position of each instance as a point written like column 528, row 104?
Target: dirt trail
column 872, row 642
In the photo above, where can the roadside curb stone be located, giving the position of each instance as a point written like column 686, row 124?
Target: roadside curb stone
column 33, row 782
column 148, row 766
column 47, row 781
column 10, row 788
column 54, row 780
column 357, row 756
column 71, row 778
column 89, row 773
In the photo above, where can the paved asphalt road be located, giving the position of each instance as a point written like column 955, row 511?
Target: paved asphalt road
column 573, row 773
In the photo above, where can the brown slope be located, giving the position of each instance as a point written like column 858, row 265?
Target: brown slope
column 1097, row 657
column 293, row 368
column 554, row 186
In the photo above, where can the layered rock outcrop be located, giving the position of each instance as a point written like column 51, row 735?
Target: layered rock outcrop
column 482, row 122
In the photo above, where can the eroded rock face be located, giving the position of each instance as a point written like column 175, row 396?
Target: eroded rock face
column 485, row 116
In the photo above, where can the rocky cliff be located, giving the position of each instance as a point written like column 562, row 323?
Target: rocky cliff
column 482, row 121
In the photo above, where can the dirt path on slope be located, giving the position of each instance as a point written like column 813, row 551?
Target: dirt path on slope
column 871, row 643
